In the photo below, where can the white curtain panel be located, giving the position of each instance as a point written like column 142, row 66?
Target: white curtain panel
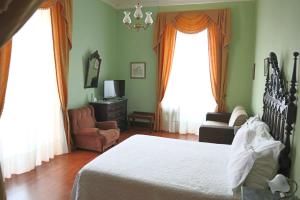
column 31, row 126
column 188, row 95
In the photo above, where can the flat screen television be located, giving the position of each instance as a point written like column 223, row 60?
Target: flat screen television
column 114, row 89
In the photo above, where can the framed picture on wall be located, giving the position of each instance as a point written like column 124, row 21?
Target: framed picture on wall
column 266, row 66
column 137, row 70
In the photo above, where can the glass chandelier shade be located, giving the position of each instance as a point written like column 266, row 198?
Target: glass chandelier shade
column 138, row 15
column 148, row 19
column 127, row 19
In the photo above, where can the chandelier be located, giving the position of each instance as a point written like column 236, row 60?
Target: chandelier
column 138, row 15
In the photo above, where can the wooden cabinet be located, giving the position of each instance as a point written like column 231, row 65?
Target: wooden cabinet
column 112, row 110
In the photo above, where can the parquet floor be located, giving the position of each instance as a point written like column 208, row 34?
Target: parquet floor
column 54, row 180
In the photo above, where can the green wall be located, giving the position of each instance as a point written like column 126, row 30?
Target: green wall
column 97, row 26
column 137, row 46
column 277, row 30
column 94, row 28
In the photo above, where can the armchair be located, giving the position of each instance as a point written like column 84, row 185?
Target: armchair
column 220, row 128
column 89, row 134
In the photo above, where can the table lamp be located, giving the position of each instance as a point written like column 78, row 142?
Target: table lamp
column 280, row 186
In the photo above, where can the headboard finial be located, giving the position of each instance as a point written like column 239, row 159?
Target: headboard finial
column 293, row 81
column 273, row 58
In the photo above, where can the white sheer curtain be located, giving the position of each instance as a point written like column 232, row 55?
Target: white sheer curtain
column 31, row 126
column 188, row 95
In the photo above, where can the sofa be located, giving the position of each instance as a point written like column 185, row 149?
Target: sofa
column 220, row 128
column 89, row 134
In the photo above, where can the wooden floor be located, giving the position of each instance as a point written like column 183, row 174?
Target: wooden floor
column 54, row 180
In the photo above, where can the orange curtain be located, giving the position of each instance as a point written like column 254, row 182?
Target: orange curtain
column 5, row 53
column 219, row 39
column 61, row 17
column 12, row 18
column 165, row 52
column 218, row 24
column 17, row 14
column 13, row 15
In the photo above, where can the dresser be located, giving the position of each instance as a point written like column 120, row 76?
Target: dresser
column 114, row 109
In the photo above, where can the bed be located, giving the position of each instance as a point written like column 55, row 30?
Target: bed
column 153, row 168
column 140, row 168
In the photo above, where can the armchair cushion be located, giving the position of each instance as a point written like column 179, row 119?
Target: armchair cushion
column 87, row 131
column 107, row 125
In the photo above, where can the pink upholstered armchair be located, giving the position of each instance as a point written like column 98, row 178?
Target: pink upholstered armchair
column 89, row 134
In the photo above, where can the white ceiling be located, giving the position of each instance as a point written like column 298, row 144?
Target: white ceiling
column 119, row 4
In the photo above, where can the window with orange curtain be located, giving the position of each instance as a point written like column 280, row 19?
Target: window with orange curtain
column 188, row 95
column 31, row 125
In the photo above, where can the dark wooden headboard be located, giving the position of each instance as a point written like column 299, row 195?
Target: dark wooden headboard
column 280, row 109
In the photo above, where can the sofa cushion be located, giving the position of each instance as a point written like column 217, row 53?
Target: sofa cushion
column 238, row 117
column 214, row 123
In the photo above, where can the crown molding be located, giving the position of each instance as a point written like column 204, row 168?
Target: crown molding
column 123, row 4
column 112, row 3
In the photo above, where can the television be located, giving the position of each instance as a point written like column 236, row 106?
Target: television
column 114, row 89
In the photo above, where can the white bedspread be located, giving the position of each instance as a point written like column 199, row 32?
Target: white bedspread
column 153, row 168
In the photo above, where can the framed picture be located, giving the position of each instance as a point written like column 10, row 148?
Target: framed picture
column 266, row 66
column 137, row 70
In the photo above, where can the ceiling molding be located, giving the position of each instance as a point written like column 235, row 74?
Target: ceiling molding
column 123, row 4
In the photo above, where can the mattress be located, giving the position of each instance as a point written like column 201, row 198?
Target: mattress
column 154, row 168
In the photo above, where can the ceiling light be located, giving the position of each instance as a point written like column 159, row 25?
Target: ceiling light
column 138, row 15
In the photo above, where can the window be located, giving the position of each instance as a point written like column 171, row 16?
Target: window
column 188, row 95
column 31, row 126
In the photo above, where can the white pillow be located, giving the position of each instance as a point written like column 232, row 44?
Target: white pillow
column 248, row 133
column 242, row 156
column 253, row 153
column 238, row 116
column 265, row 166
column 239, row 166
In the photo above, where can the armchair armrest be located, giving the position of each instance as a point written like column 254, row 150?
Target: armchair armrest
column 89, row 138
column 216, row 134
column 107, row 125
column 219, row 117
